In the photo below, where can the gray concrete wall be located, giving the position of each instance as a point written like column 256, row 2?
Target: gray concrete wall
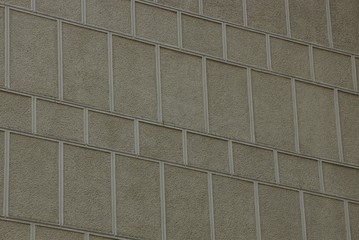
column 179, row 119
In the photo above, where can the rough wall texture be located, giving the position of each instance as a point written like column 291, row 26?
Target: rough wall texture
column 179, row 119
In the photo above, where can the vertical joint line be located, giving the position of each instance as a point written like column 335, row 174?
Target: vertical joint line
column 6, row 173
column 268, row 50
column 179, row 29
column 83, row 11
column 311, row 62
column 256, row 208
column 276, row 166
column 205, row 94
column 200, row 6
column 7, row 47
column 158, row 83
column 329, row 24
column 230, row 157
column 61, row 183
column 347, row 219
column 321, row 178
column 32, row 231
column 86, row 126
column 133, row 18
column 250, row 105
column 295, row 115
column 110, row 71
column 59, row 60
column 302, row 215
column 211, row 208
column 33, row 114
column 245, row 15
column 113, row 193
column 33, row 5
column 163, row 203
column 354, row 74
column 287, row 18
column 224, row 40
column 184, row 147
column 137, row 137
column 338, row 126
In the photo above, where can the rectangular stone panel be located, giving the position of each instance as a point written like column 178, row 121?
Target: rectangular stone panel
column 207, row 152
column 2, row 162
column 333, row 68
column 187, row 207
column 354, row 219
column 228, row 109
column 33, row 177
column 298, row 172
column 156, row 24
column 267, row 15
column 59, row 121
column 134, row 78
column 290, row 58
column 109, row 131
column 253, row 162
column 273, row 112
column 316, row 120
column 138, row 198
column 202, row 35
column 308, row 21
column 33, row 54
column 18, row 3
column 67, row 9
column 161, row 143
column 87, row 185
column 15, row 111
column 227, row 10
column 44, row 233
column 233, row 203
column 324, row 218
column 341, row 180
column 246, row 47
column 85, row 66
column 182, row 89
column 2, row 45
column 279, row 213
column 110, row 14
column 187, row 5
column 12, row 230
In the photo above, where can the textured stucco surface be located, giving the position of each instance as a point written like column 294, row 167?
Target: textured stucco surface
column 179, row 119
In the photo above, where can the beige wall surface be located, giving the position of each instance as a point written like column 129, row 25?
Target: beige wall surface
column 179, row 119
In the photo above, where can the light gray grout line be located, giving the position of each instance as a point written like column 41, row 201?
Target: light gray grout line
column 245, row 15
column 321, row 177
column 311, row 62
column 211, row 208
column 250, row 105
column 287, row 18
column 268, row 50
column 61, row 183
column 158, row 83
column 113, row 193
column 276, row 166
column 32, row 231
column 86, row 125
column 33, row 5
column 224, row 41
column 354, row 73
column 133, row 18
column 230, row 157
column 110, row 70
column 179, row 29
column 59, row 60
column 200, row 7
column 205, row 94
column 256, row 208
column 185, row 147
column 347, row 220
column 6, row 173
column 329, row 24
column 302, row 215
column 137, row 136
column 295, row 116
column 33, row 114
column 86, row 236
column 83, row 11
column 163, row 199
column 7, row 47
column 338, row 126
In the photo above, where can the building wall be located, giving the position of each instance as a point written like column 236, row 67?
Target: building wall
column 179, row 119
